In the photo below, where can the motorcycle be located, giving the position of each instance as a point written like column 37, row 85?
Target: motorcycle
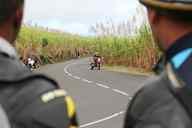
column 96, row 64
column 31, row 64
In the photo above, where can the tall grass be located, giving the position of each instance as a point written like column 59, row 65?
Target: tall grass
column 136, row 50
column 58, row 47
column 128, row 43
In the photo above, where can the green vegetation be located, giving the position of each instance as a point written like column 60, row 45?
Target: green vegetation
column 52, row 46
column 135, row 51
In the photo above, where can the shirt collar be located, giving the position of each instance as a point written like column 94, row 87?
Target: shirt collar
column 181, row 44
column 7, row 48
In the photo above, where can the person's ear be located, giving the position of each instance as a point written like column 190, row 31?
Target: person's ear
column 153, row 16
column 18, row 17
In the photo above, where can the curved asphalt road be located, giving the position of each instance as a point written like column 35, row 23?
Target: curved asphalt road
column 101, row 96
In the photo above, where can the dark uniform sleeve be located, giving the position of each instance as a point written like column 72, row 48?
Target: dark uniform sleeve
column 142, row 102
column 155, row 107
column 62, row 109
column 142, row 114
column 44, row 105
column 130, row 119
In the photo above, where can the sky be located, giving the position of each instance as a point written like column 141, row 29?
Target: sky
column 77, row 16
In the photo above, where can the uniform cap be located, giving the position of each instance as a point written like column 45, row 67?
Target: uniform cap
column 175, row 5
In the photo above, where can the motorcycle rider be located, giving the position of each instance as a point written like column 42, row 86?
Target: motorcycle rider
column 95, row 56
column 96, row 61
column 165, row 100
column 29, row 100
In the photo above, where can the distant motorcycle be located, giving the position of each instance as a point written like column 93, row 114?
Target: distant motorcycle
column 96, row 64
column 32, row 64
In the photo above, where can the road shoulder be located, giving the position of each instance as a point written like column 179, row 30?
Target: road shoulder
column 127, row 70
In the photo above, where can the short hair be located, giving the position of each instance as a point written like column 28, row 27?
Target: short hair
column 8, row 7
column 184, row 17
column 178, row 16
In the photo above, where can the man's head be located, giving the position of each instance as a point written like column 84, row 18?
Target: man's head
column 11, row 13
column 169, row 19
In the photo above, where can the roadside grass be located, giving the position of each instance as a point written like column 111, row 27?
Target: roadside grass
column 51, row 47
column 138, row 51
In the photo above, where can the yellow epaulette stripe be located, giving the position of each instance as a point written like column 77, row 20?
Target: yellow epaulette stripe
column 70, row 106
column 53, row 95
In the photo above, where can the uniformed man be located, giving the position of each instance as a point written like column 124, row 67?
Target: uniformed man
column 165, row 101
column 30, row 100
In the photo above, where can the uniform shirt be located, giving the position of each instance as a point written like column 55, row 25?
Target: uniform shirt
column 7, row 48
column 52, row 106
column 4, row 123
column 179, row 55
column 155, row 105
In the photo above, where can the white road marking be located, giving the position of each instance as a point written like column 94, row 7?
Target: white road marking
column 100, row 85
column 76, row 77
column 103, row 86
column 121, row 92
column 87, row 81
column 67, row 66
column 69, row 74
column 102, row 120
column 65, row 70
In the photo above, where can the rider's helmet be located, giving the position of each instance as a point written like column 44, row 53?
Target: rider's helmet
column 174, row 5
column 96, row 54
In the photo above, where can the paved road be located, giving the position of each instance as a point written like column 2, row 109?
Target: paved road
column 101, row 96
